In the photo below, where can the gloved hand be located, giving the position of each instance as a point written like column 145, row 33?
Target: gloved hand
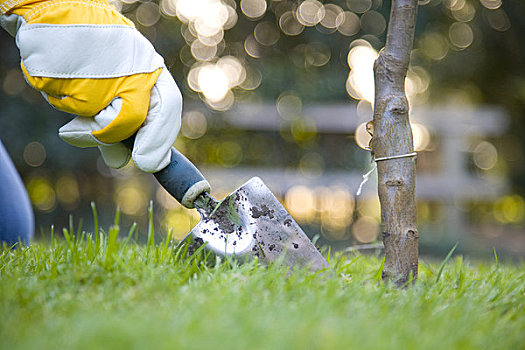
column 89, row 60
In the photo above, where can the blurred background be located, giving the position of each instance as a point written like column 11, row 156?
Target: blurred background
column 282, row 90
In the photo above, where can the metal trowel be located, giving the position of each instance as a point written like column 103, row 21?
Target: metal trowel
column 250, row 222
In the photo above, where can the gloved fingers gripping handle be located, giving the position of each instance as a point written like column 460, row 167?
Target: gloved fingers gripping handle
column 180, row 177
column 152, row 146
column 132, row 114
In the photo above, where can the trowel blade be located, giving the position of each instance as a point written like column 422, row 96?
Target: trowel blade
column 251, row 222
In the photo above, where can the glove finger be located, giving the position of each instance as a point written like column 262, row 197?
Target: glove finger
column 151, row 151
column 135, row 94
column 116, row 155
column 79, row 131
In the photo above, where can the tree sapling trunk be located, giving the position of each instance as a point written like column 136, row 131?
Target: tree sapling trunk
column 393, row 147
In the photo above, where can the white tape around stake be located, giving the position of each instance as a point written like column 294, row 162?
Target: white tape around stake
column 367, row 175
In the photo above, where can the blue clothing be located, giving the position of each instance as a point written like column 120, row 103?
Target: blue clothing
column 16, row 214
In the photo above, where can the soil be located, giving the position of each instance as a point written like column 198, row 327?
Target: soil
column 263, row 211
column 221, row 218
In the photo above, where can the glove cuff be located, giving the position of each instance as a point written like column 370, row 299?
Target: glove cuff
column 108, row 51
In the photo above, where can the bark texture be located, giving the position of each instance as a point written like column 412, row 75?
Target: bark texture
column 392, row 136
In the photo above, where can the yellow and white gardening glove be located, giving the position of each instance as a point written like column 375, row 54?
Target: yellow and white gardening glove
column 89, row 60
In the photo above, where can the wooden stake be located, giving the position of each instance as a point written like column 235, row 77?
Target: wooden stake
column 392, row 136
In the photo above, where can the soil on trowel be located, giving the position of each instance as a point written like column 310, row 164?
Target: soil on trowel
column 221, row 218
column 263, row 211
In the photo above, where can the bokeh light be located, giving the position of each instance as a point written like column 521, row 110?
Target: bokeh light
column 465, row 13
column 416, row 85
column 434, row 46
column 252, row 80
column 454, row 5
column 34, row 154
column 14, row 83
column 365, row 229
column 311, row 165
column 421, row 136
column 180, row 221
column 336, row 207
column 148, row 14
column 310, row 12
column 370, row 207
column 266, row 33
column 251, row 47
column 131, row 196
column 300, row 201
column 359, row 6
column 330, row 207
column 316, row 54
column 224, row 104
column 362, row 137
column 289, row 105
column 253, row 9
column 510, row 209
column 229, row 154
column 204, row 23
column 333, row 16
column 498, row 20
column 215, row 80
column 350, row 23
column 364, row 110
column 289, row 24
column 194, row 125
column 67, row 191
column 485, row 155
column 202, row 51
column 460, row 35
column 360, row 82
column 41, row 193
column 491, row 4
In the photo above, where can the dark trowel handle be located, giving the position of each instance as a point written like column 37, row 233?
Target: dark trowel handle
column 180, row 177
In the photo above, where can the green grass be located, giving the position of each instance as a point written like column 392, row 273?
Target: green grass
column 88, row 291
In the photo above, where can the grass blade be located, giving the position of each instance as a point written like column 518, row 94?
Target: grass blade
column 379, row 272
column 66, row 236
column 117, row 217
column 71, row 226
column 95, row 224
column 131, row 231
column 165, row 244
column 111, row 246
column 151, row 230
column 449, row 255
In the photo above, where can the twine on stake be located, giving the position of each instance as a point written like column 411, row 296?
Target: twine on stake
column 367, row 175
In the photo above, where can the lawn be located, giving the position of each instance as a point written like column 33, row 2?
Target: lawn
column 88, row 292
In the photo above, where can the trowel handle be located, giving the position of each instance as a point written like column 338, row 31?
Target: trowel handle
column 182, row 179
